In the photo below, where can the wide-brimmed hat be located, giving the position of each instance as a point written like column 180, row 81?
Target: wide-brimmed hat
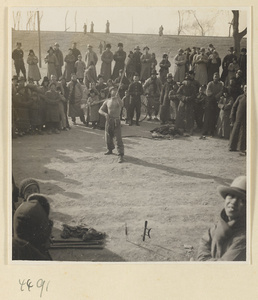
column 56, row 44
column 89, row 46
column 237, row 188
column 180, row 50
column 146, row 47
column 137, row 48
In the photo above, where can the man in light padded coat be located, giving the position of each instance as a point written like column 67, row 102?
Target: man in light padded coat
column 226, row 241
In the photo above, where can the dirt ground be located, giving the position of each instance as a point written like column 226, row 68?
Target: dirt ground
column 172, row 184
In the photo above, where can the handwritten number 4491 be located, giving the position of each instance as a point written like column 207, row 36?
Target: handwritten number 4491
column 41, row 284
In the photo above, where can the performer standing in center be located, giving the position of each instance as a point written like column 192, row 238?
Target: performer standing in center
column 111, row 109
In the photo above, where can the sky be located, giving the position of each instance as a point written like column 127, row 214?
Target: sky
column 133, row 19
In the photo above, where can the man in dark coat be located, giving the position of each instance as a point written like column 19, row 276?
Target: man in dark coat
column 242, row 61
column 135, row 92
column 60, row 58
column 119, row 58
column 228, row 59
column 238, row 120
column 32, row 231
column 226, row 241
column 17, row 56
column 137, row 59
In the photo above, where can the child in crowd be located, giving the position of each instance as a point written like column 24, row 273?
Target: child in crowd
column 174, row 101
column 199, row 106
column 80, row 68
column 93, row 104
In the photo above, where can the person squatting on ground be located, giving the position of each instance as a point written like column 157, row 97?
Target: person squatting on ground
column 226, row 241
column 111, row 109
column 32, row 230
column 135, row 91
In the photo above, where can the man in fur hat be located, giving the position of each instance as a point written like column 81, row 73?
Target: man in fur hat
column 226, row 241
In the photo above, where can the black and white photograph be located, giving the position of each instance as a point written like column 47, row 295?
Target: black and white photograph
column 129, row 134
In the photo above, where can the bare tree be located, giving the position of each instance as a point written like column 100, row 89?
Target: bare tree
column 180, row 21
column 66, row 21
column 16, row 20
column 236, row 34
column 204, row 26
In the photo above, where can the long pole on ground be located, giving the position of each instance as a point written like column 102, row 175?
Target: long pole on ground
column 39, row 39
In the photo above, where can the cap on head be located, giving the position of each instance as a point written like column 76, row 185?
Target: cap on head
column 50, row 49
column 108, row 46
column 56, row 44
column 237, row 188
column 25, row 183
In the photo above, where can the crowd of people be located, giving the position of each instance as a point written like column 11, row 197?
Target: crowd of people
column 195, row 97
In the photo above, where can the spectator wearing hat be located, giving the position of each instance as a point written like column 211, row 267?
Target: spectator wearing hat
column 201, row 62
column 130, row 66
column 214, row 63
column 80, row 68
column 75, row 100
column 60, row 58
column 17, row 56
column 179, row 70
column 232, row 70
column 27, row 187
column 225, row 105
column 33, row 69
column 238, row 121
column 75, row 50
column 242, row 61
column 32, row 231
column 225, row 63
column 85, row 28
column 106, row 65
column 187, row 56
column 137, row 59
column 152, row 89
column 210, row 50
column 135, row 91
column 145, row 64
column 164, row 99
column 119, row 58
column 111, row 109
column 90, row 75
column 69, row 65
column 214, row 92
column 51, row 62
column 161, row 30
column 185, row 114
column 226, row 240
column 164, row 68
